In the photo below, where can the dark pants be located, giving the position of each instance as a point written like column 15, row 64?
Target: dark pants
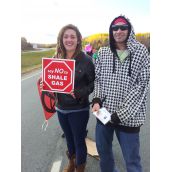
column 74, row 127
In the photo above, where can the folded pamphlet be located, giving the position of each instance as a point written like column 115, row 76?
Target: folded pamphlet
column 103, row 115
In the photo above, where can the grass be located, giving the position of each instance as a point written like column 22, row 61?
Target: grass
column 33, row 60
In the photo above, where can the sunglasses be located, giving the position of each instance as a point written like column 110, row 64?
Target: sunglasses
column 121, row 27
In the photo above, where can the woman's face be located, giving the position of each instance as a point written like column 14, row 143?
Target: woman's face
column 70, row 40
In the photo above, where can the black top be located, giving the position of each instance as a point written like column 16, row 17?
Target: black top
column 83, row 85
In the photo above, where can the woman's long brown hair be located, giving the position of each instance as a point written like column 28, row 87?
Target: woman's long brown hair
column 61, row 51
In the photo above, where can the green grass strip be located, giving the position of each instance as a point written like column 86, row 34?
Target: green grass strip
column 33, row 60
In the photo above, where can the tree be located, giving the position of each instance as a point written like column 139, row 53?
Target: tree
column 23, row 43
column 144, row 38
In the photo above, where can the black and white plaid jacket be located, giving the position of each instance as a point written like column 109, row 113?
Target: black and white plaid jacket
column 125, row 85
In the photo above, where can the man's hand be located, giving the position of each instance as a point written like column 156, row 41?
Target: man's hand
column 96, row 107
column 115, row 119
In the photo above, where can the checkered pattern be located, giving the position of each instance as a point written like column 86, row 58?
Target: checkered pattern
column 126, row 94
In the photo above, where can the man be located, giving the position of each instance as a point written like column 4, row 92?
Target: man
column 121, row 86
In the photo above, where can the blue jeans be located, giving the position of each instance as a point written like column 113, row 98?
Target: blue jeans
column 129, row 143
column 74, row 127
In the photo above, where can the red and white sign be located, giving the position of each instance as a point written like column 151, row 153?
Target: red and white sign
column 58, row 75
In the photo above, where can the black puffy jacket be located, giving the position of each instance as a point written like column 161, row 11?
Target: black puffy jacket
column 83, row 85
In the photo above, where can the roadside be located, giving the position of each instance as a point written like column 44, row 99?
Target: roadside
column 32, row 60
column 31, row 70
column 30, row 73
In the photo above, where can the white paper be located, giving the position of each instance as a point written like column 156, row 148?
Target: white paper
column 103, row 115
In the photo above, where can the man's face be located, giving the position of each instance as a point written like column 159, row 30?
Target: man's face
column 120, row 32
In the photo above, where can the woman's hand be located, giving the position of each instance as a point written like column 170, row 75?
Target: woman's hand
column 72, row 94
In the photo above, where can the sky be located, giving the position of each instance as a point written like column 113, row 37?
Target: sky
column 41, row 20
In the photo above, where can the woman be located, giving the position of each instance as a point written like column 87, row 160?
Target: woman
column 73, row 108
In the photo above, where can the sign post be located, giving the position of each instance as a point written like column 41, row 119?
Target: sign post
column 58, row 75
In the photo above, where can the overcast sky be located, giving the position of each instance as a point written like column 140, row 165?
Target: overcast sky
column 41, row 20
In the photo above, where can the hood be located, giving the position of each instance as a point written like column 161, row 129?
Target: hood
column 130, row 41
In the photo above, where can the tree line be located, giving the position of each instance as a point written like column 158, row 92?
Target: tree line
column 96, row 40
column 25, row 45
column 29, row 46
column 100, row 40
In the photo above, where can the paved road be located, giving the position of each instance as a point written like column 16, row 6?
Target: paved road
column 43, row 151
column 38, row 146
column 38, row 50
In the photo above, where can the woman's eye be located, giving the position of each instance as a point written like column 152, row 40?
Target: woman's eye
column 73, row 37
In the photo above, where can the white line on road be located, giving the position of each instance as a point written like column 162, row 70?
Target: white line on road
column 30, row 76
column 56, row 166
